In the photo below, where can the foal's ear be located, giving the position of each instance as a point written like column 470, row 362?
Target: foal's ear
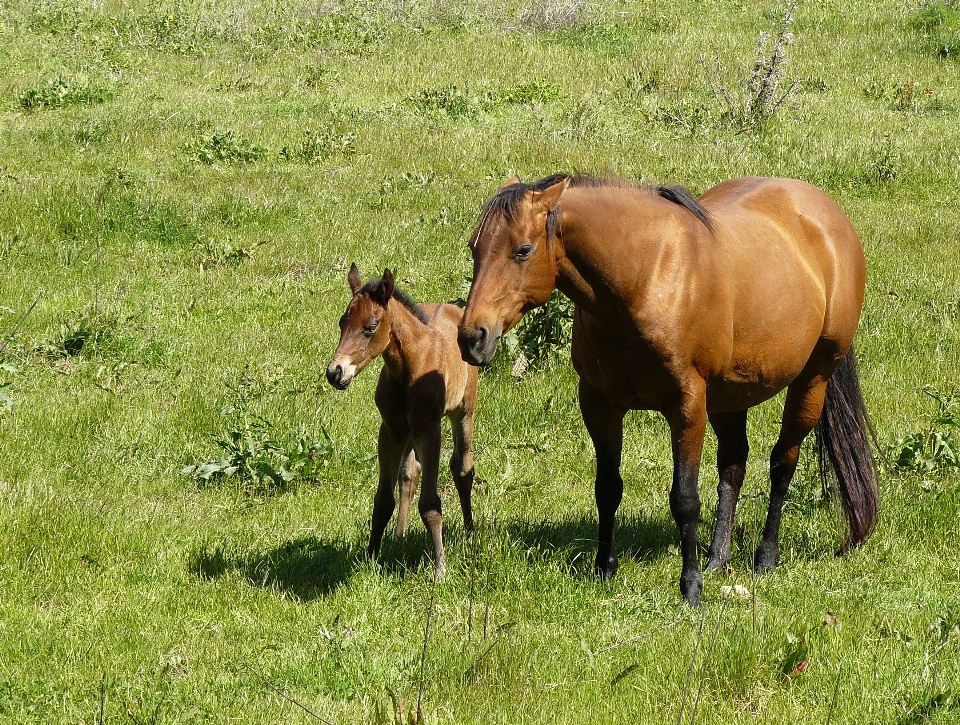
column 510, row 182
column 547, row 200
column 354, row 279
column 384, row 290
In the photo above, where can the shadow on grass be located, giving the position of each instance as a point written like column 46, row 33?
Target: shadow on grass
column 637, row 537
column 310, row 568
column 306, row 567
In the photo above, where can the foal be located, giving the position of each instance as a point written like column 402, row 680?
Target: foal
column 423, row 379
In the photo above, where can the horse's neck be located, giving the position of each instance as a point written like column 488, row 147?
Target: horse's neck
column 406, row 333
column 595, row 259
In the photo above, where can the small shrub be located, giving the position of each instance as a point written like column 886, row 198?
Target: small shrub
column 937, row 447
column 225, row 147
column 321, row 144
column 259, row 459
column 939, row 24
column 453, row 102
column 60, row 91
column 532, row 92
column 885, row 162
column 540, row 333
column 224, row 254
column 760, row 95
column 106, row 335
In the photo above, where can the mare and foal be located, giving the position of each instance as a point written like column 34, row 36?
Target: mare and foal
column 696, row 308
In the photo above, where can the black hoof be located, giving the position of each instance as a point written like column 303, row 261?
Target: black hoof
column 607, row 568
column 766, row 559
column 690, row 588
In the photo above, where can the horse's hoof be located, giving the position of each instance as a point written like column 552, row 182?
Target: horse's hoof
column 607, row 568
column 690, row 587
column 765, row 560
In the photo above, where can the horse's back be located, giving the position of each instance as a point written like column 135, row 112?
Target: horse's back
column 793, row 263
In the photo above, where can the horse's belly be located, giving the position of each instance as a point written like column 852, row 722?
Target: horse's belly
column 629, row 375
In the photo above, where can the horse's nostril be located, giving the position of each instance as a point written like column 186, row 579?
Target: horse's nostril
column 335, row 375
column 479, row 338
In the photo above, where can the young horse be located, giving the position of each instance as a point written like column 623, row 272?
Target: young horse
column 698, row 310
column 423, row 379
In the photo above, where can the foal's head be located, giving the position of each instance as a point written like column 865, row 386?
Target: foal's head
column 364, row 328
column 514, row 265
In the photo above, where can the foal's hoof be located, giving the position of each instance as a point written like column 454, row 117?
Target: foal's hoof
column 690, row 587
column 606, row 567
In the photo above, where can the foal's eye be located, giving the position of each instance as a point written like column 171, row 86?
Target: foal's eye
column 370, row 329
column 523, row 253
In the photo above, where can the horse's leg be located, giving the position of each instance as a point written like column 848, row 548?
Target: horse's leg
column 461, row 462
column 605, row 425
column 801, row 411
column 688, row 423
column 732, row 452
column 390, row 450
column 409, row 476
column 426, row 440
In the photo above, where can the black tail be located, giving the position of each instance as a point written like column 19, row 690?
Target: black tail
column 843, row 446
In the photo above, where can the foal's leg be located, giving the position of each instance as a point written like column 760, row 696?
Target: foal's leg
column 605, row 425
column 732, row 452
column 801, row 411
column 390, row 450
column 409, row 476
column 461, row 462
column 426, row 440
column 688, row 422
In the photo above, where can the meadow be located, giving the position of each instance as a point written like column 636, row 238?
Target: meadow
column 183, row 186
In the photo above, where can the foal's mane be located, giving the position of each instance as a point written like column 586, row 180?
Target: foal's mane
column 506, row 201
column 402, row 297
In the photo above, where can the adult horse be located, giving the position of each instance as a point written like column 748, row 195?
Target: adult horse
column 698, row 309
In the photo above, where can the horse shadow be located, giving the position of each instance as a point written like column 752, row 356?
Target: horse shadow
column 309, row 567
column 306, row 567
column 638, row 537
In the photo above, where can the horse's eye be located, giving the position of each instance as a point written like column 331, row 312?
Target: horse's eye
column 370, row 329
column 523, row 253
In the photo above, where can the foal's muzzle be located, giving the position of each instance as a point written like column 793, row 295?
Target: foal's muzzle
column 338, row 378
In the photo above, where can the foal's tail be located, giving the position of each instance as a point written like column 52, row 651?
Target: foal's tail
column 843, row 437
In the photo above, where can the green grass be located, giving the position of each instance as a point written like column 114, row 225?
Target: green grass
column 188, row 182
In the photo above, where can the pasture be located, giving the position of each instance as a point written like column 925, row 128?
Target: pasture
column 185, row 501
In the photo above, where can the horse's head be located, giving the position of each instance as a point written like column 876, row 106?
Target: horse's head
column 514, row 265
column 364, row 329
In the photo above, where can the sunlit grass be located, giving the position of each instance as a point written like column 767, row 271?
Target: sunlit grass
column 190, row 217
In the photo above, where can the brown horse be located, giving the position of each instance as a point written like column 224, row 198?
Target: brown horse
column 698, row 310
column 423, row 379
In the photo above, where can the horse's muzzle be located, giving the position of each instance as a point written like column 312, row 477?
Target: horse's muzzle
column 479, row 346
column 338, row 378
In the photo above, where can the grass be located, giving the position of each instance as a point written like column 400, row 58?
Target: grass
column 189, row 197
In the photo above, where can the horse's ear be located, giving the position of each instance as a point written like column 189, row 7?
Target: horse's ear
column 354, row 279
column 547, row 200
column 385, row 288
column 510, row 182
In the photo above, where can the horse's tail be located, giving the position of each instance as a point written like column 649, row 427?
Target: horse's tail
column 843, row 438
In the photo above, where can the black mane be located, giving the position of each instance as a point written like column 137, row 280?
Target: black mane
column 506, row 201
column 403, row 298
